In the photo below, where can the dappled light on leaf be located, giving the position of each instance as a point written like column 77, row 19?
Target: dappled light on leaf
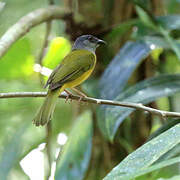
column 121, row 68
column 121, row 130
column 58, row 49
column 143, row 92
column 18, row 62
column 146, row 155
column 77, row 151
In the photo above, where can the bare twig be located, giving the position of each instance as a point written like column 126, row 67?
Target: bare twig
column 45, row 43
column 48, row 127
column 95, row 101
column 27, row 22
column 48, row 149
column 46, row 38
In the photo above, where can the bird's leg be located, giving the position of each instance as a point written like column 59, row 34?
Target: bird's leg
column 79, row 93
column 69, row 94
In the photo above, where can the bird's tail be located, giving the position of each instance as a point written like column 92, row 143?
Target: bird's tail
column 45, row 113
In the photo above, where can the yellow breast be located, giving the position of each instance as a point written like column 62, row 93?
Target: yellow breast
column 80, row 79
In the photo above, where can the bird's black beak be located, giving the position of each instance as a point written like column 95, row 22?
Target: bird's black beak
column 101, row 42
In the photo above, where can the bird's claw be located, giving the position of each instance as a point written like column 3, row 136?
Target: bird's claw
column 80, row 99
column 67, row 97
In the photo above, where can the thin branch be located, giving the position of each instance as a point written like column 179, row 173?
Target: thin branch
column 27, row 22
column 95, row 101
column 46, row 38
column 45, row 43
column 48, row 150
column 49, row 125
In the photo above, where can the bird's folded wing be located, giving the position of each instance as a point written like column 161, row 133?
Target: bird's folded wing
column 73, row 66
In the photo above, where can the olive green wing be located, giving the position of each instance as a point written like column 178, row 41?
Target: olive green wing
column 72, row 67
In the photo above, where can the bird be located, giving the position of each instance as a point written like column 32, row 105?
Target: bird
column 74, row 69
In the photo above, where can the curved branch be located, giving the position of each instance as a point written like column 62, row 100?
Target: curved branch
column 45, row 43
column 95, row 101
column 27, row 22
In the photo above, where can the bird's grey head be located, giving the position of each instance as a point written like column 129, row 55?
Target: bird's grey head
column 88, row 42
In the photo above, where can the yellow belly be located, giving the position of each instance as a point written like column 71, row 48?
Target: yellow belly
column 79, row 80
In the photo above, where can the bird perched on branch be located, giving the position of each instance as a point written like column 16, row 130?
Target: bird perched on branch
column 75, row 68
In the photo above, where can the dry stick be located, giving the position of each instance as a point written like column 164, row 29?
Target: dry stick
column 27, row 22
column 48, row 150
column 45, row 43
column 43, row 48
column 49, row 125
column 95, row 101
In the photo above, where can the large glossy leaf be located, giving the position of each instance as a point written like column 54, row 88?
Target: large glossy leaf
column 140, row 161
column 76, row 154
column 150, row 169
column 170, row 22
column 150, row 21
column 161, row 25
column 116, row 75
column 170, row 41
column 121, row 29
column 175, row 151
column 164, row 127
column 158, row 41
column 11, row 153
column 146, row 18
column 143, row 92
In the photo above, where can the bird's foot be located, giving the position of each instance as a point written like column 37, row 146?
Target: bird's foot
column 79, row 92
column 81, row 97
column 69, row 95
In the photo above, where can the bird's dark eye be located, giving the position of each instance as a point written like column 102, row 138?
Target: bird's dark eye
column 90, row 38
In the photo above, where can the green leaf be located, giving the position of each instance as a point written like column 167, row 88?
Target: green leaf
column 163, row 128
column 158, row 41
column 175, row 150
column 172, row 178
column 2, row 5
column 121, row 68
column 143, row 92
column 58, row 49
column 139, row 162
column 143, row 3
column 120, row 29
column 163, row 25
column 171, row 41
column 18, row 62
column 76, row 154
column 11, row 153
column 118, row 72
column 146, row 18
column 170, row 22
column 151, row 168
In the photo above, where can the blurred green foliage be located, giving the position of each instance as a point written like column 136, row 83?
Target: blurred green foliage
column 58, row 49
column 143, row 45
column 18, row 62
